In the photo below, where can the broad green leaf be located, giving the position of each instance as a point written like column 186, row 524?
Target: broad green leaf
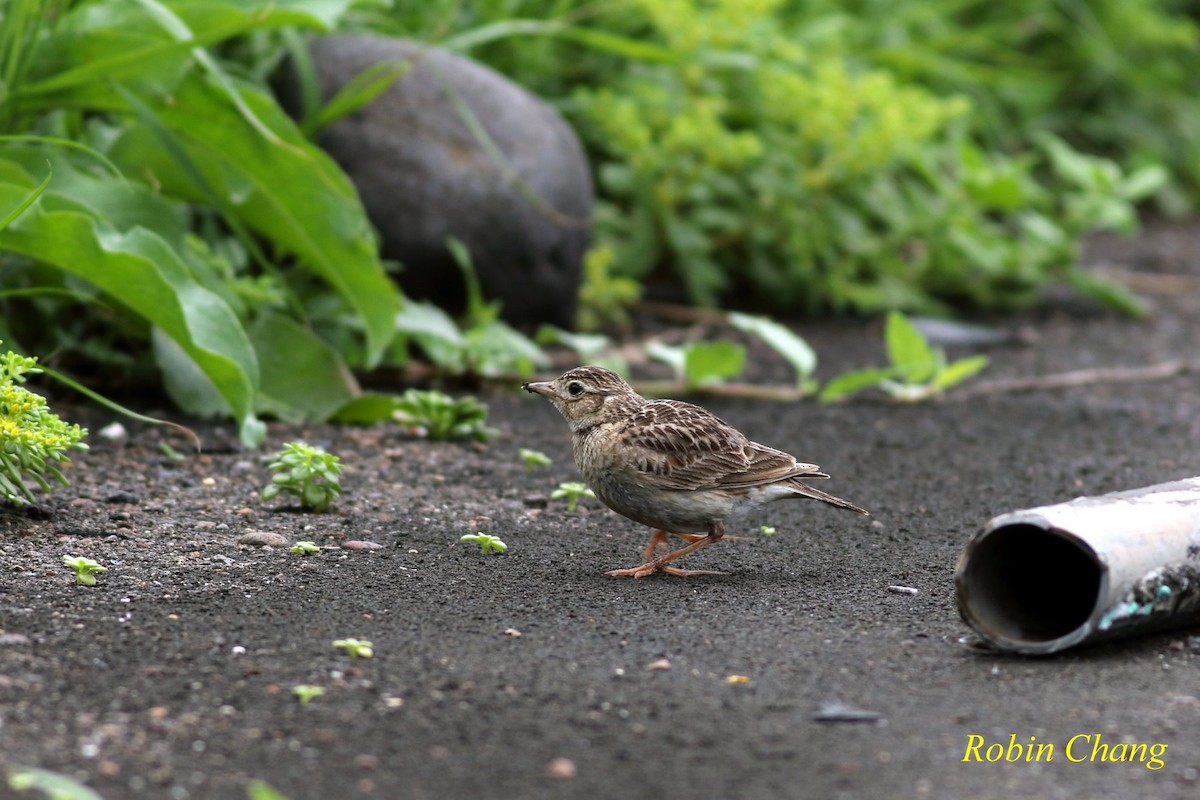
column 302, row 378
column 426, row 319
column 496, row 348
column 147, row 275
column 117, row 40
column 850, row 382
column 779, row 338
column 185, row 382
column 958, row 371
column 712, row 362
column 291, row 193
column 908, row 351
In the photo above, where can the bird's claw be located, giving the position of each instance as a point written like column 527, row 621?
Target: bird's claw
column 650, row 567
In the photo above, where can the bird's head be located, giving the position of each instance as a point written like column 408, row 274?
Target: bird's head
column 589, row 396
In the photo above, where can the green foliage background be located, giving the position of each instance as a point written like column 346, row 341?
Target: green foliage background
column 159, row 213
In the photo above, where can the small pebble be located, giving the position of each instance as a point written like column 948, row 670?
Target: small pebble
column 737, row 679
column 263, row 539
column 513, row 632
column 12, row 639
column 366, row 761
column 903, row 590
column 112, row 431
column 561, row 769
column 840, row 712
column 361, row 544
column 659, row 665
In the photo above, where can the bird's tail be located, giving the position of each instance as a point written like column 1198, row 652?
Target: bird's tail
column 805, row 490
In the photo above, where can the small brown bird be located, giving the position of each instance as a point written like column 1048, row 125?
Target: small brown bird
column 670, row 465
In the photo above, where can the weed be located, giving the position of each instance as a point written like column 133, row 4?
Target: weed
column 487, row 544
column 85, row 569
column 306, row 472
column 917, row 372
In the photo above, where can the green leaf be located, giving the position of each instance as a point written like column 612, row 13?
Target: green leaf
column 367, row 409
column 850, row 382
column 908, row 350
column 141, row 269
column 291, row 192
column 261, row 790
column 675, row 357
column 358, row 92
column 782, row 340
column 958, row 371
column 712, row 362
column 29, row 200
column 303, row 377
column 56, row 786
column 1108, row 292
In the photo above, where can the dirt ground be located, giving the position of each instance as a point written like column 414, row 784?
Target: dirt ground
column 533, row 675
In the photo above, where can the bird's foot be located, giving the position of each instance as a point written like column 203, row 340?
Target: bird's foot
column 650, row 567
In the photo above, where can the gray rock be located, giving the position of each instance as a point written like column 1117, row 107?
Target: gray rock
column 424, row 176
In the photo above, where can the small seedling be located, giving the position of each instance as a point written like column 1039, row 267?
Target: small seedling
column 356, row 648
column 261, row 790
column 54, row 785
column 572, row 490
column 304, row 548
column 85, row 569
column 305, row 693
column 533, row 458
column 766, row 530
column 307, row 472
column 918, row 370
column 487, row 544
column 438, row 416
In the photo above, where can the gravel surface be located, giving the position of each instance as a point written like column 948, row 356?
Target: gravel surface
column 830, row 660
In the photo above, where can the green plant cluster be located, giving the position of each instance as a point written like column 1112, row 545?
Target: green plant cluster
column 923, row 155
column 203, row 235
column 33, row 440
column 754, row 163
column 308, row 473
column 436, row 415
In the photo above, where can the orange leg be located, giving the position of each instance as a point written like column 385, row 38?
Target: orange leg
column 659, row 564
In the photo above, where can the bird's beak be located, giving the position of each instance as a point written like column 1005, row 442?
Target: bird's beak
column 544, row 388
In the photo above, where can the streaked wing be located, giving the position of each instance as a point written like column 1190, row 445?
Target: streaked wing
column 676, row 445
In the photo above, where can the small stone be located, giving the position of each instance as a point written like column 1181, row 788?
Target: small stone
column 737, row 679
column 263, row 539
column 840, row 712
column 561, row 769
column 513, row 632
column 112, row 431
column 361, row 544
column 13, row 639
column 903, row 590
column 659, row 665
column 366, row 761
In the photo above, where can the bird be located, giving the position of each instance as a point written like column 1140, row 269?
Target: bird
column 670, row 465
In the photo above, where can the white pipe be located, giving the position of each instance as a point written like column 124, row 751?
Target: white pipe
column 1044, row 579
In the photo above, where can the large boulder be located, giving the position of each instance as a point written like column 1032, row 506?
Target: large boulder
column 520, row 198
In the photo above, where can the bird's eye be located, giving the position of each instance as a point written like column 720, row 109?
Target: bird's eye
column 574, row 388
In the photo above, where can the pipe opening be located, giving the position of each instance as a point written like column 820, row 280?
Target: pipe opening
column 1028, row 584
